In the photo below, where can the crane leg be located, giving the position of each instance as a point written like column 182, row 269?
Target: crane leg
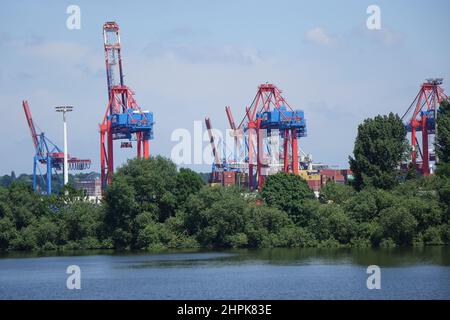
column 146, row 148
column 286, row 151
column 294, row 152
column 49, row 175
column 425, row 152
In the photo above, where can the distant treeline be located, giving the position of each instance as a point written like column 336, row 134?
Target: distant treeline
column 57, row 180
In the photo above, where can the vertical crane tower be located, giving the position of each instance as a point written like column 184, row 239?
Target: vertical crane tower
column 421, row 117
column 124, row 119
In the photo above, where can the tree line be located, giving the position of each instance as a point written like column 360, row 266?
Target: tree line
column 151, row 205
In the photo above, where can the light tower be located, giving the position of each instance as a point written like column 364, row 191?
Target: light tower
column 64, row 110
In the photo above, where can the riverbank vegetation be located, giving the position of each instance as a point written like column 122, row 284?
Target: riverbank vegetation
column 151, row 205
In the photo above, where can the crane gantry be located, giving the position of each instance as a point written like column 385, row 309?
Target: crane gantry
column 268, row 116
column 421, row 117
column 124, row 119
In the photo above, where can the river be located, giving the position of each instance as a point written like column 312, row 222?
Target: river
column 406, row 273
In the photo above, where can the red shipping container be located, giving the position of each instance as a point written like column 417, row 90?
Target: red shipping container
column 314, row 185
column 229, row 178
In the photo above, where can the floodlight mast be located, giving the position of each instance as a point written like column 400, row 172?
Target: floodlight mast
column 64, row 110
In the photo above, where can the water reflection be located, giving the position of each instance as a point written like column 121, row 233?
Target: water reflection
column 393, row 257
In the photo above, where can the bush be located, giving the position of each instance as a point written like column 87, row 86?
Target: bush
column 341, row 226
column 433, row 236
column 8, row 233
column 293, row 236
column 336, row 193
column 398, row 224
column 237, row 240
column 387, row 243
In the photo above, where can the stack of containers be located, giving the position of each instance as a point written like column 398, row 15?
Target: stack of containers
column 312, row 177
column 332, row 175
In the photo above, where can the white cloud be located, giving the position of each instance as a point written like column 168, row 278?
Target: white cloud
column 319, row 36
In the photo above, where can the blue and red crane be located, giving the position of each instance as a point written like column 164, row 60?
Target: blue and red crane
column 49, row 155
column 124, row 119
column 268, row 116
column 421, row 117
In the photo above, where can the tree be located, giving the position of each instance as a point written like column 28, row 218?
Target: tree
column 398, row 224
column 263, row 223
column 153, row 182
column 215, row 216
column 334, row 192
column 380, row 146
column 341, row 226
column 120, row 210
column 187, row 182
column 8, row 233
column 443, row 133
column 443, row 154
column 286, row 191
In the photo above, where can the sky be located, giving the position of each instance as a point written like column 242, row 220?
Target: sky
column 189, row 59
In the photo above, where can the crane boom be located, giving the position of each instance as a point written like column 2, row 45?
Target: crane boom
column 211, row 140
column 113, row 56
column 30, row 122
column 230, row 117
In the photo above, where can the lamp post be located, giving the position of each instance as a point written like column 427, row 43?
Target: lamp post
column 64, row 110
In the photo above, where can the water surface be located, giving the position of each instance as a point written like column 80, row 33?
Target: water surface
column 413, row 273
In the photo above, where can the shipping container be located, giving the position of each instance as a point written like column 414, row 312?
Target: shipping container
column 229, row 178
column 314, row 184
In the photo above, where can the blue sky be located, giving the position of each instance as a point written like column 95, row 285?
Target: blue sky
column 189, row 59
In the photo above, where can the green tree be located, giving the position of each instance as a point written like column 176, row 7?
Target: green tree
column 215, row 216
column 443, row 133
column 8, row 233
column 153, row 182
column 336, row 193
column 341, row 226
column 120, row 210
column 286, row 191
column 81, row 220
column 362, row 207
column 398, row 224
column 187, row 182
column 380, row 146
column 263, row 224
